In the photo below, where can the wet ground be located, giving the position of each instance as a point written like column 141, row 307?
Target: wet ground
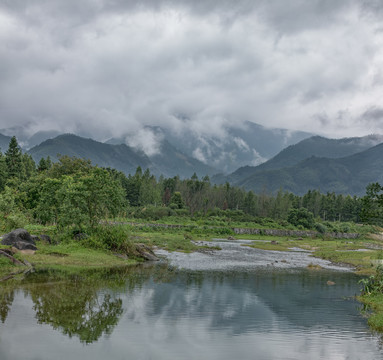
column 235, row 255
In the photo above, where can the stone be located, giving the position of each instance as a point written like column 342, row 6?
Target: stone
column 146, row 252
column 21, row 239
column 80, row 236
column 45, row 238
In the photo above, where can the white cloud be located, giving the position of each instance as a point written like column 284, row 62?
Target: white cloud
column 110, row 67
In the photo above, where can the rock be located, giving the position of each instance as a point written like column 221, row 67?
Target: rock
column 330, row 283
column 35, row 238
column 146, row 252
column 21, row 239
column 45, row 238
column 80, row 236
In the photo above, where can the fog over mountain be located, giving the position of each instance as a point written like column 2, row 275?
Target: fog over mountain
column 105, row 68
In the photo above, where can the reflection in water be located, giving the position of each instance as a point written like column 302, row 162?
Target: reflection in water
column 6, row 300
column 77, row 305
column 85, row 315
column 159, row 313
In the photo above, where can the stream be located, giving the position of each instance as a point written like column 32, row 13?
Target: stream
column 236, row 303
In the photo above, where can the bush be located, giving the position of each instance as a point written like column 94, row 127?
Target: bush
column 114, row 238
column 320, row 228
column 301, row 217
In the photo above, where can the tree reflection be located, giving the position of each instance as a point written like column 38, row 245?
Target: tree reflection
column 77, row 310
column 83, row 304
column 6, row 300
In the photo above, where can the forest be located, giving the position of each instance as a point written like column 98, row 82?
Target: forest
column 73, row 192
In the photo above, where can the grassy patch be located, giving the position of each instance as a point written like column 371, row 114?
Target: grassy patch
column 374, row 303
column 73, row 255
column 168, row 241
column 335, row 250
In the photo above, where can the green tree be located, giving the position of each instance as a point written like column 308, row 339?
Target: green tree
column 372, row 205
column 301, row 217
column 177, row 200
column 81, row 199
column 13, row 159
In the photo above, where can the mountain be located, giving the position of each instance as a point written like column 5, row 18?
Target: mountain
column 120, row 157
column 232, row 147
column 38, row 138
column 314, row 146
column 347, row 175
column 4, row 143
column 169, row 161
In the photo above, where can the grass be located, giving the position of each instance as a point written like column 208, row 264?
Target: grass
column 71, row 255
column 174, row 241
column 334, row 250
column 374, row 303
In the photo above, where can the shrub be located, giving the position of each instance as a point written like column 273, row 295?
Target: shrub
column 320, row 228
column 301, row 217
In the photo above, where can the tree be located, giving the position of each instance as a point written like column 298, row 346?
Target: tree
column 81, row 199
column 372, row 205
column 301, row 217
column 177, row 200
column 13, row 159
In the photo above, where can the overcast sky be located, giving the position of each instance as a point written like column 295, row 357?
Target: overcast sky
column 113, row 66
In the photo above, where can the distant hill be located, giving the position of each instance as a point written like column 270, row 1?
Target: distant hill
column 347, row 175
column 169, row 162
column 314, row 146
column 39, row 137
column 4, row 143
column 249, row 144
column 120, row 157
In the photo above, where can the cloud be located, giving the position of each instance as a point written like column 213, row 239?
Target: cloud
column 241, row 144
column 147, row 140
column 105, row 68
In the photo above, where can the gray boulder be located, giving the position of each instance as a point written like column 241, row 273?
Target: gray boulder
column 20, row 239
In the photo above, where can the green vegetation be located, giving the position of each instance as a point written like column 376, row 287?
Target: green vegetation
column 96, row 217
column 372, row 297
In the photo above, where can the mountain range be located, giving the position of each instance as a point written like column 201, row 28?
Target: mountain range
column 330, row 165
column 168, row 162
column 313, row 162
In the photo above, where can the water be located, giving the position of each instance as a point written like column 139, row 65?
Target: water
column 198, row 312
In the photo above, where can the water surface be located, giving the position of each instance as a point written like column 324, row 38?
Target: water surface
column 164, row 312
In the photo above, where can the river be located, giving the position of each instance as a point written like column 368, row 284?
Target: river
column 237, row 303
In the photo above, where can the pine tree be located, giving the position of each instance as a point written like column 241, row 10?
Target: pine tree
column 13, row 159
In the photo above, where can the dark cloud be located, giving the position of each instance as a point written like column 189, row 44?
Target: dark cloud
column 106, row 67
column 373, row 115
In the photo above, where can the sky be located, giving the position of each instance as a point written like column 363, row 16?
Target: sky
column 107, row 67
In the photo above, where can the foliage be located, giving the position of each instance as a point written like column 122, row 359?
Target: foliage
column 301, row 217
column 373, row 284
column 372, row 205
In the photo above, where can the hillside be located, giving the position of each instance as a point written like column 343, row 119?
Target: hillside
column 314, row 146
column 120, row 157
column 168, row 162
column 235, row 146
column 348, row 175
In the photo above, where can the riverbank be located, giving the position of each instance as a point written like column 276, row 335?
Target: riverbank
column 363, row 254
column 114, row 245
